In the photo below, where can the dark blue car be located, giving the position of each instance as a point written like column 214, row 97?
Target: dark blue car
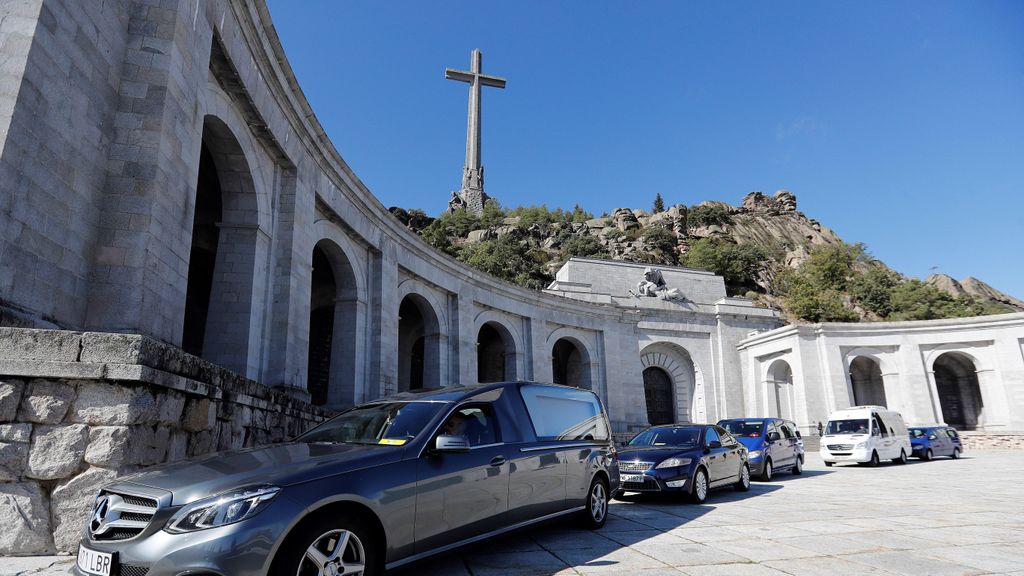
column 688, row 459
column 927, row 442
column 773, row 444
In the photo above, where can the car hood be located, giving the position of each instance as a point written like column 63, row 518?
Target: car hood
column 844, row 438
column 752, row 443
column 280, row 464
column 656, row 453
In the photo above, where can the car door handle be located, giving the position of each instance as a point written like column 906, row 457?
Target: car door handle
column 497, row 461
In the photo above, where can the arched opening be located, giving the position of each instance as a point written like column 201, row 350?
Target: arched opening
column 866, row 382
column 570, row 364
column 658, row 395
column 495, row 354
column 331, row 366
column 780, row 390
column 222, row 257
column 418, row 344
column 956, row 382
column 686, row 384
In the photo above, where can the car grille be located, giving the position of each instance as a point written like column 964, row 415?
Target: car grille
column 840, row 447
column 120, row 517
column 635, row 466
column 129, row 570
column 648, row 484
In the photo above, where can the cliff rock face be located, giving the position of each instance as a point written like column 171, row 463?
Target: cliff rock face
column 974, row 288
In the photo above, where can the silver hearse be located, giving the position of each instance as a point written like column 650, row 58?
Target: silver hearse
column 380, row 485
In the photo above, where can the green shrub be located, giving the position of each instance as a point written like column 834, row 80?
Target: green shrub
column 707, row 215
column 738, row 264
column 582, row 246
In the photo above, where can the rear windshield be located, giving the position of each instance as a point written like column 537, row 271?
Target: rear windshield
column 858, row 426
column 388, row 423
column 564, row 413
column 687, row 437
column 744, row 429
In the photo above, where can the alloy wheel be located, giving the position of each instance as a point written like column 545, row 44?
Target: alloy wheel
column 702, row 486
column 334, row 553
column 598, row 502
column 745, row 477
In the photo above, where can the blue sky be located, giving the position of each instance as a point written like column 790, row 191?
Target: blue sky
column 897, row 124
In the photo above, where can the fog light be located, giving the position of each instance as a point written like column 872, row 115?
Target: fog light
column 676, row 483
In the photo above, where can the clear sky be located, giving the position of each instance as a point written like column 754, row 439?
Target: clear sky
column 897, row 124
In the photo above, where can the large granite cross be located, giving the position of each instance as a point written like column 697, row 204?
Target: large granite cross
column 472, row 193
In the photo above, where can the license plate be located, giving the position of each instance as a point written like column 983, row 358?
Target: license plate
column 632, row 477
column 94, row 562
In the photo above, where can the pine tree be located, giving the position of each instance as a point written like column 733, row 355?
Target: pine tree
column 659, row 204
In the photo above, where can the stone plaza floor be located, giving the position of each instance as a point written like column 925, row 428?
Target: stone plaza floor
column 926, row 518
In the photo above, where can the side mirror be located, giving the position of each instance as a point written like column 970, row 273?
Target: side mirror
column 798, row 434
column 933, row 437
column 453, row 444
column 773, row 436
column 714, row 444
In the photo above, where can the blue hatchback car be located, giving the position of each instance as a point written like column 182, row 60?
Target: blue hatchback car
column 773, row 444
column 928, row 442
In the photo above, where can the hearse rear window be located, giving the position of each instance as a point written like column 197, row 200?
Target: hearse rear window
column 564, row 414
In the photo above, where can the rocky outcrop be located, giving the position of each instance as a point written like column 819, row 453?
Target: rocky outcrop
column 975, row 289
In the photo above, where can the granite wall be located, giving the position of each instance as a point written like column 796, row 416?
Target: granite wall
column 79, row 409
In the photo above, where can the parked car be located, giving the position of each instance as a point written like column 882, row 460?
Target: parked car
column 866, row 435
column 772, row 444
column 928, row 442
column 689, row 459
column 379, row 486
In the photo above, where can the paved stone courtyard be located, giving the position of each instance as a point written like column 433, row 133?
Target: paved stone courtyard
column 939, row 518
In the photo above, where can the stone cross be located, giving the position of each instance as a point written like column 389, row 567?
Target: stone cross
column 472, row 194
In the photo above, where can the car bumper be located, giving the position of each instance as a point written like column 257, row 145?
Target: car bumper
column 671, row 480
column 856, row 455
column 242, row 548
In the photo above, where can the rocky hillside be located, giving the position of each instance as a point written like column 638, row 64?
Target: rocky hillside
column 765, row 248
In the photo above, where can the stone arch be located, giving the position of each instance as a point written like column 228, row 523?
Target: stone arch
column 779, row 390
column 419, row 343
column 218, row 323
column 570, row 363
column 496, row 353
column 333, row 319
column 658, row 396
column 867, row 386
column 686, row 377
column 958, row 390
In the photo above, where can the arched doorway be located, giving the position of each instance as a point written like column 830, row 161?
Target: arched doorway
column 331, row 376
column 780, row 390
column 686, row 383
column 418, row 345
column 866, row 382
column 495, row 354
column 570, row 364
column 658, row 396
column 222, row 257
column 956, row 383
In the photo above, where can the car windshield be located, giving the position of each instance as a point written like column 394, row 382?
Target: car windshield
column 388, row 423
column 675, row 437
column 859, row 426
column 744, row 428
column 917, row 433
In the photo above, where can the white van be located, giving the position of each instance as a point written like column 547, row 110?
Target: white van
column 866, row 435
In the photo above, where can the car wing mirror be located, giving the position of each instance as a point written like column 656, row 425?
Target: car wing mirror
column 454, row 444
column 773, row 436
column 714, row 444
column 798, row 434
column 933, row 437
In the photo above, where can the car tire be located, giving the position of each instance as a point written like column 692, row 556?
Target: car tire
column 874, row 460
column 798, row 467
column 325, row 535
column 700, row 486
column 927, row 455
column 768, row 472
column 956, row 454
column 828, row 464
column 743, row 484
column 902, row 459
column 595, row 509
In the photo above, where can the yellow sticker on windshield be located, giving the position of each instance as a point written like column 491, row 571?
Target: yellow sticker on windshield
column 392, row 441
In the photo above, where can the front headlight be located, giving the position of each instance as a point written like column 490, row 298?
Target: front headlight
column 222, row 509
column 754, row 455
column 861, row 445
column 674, row 463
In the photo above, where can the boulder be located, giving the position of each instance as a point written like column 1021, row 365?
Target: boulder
column 624, row 219
column 13, row 457
column 71, row 504
column 108, row 446
column 597, row 223
column 46, row 402
column 102, row 403
column 25, row 516
column 10, row 397
column 15, row 432
column 785, row 201
column 479, row 235
column 57, row 451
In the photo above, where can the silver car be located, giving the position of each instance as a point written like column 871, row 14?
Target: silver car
column 379, row 486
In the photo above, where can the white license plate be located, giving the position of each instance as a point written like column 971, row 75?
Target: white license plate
column 632, row 477
column 93, row 562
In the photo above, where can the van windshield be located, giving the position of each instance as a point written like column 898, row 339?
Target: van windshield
column 859, row 426
column 387, row 423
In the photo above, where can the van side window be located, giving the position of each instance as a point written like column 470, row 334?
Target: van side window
column 476, row 422
column 880, row 428
column 951, row 433
column 564, row 414
column 786, row 432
